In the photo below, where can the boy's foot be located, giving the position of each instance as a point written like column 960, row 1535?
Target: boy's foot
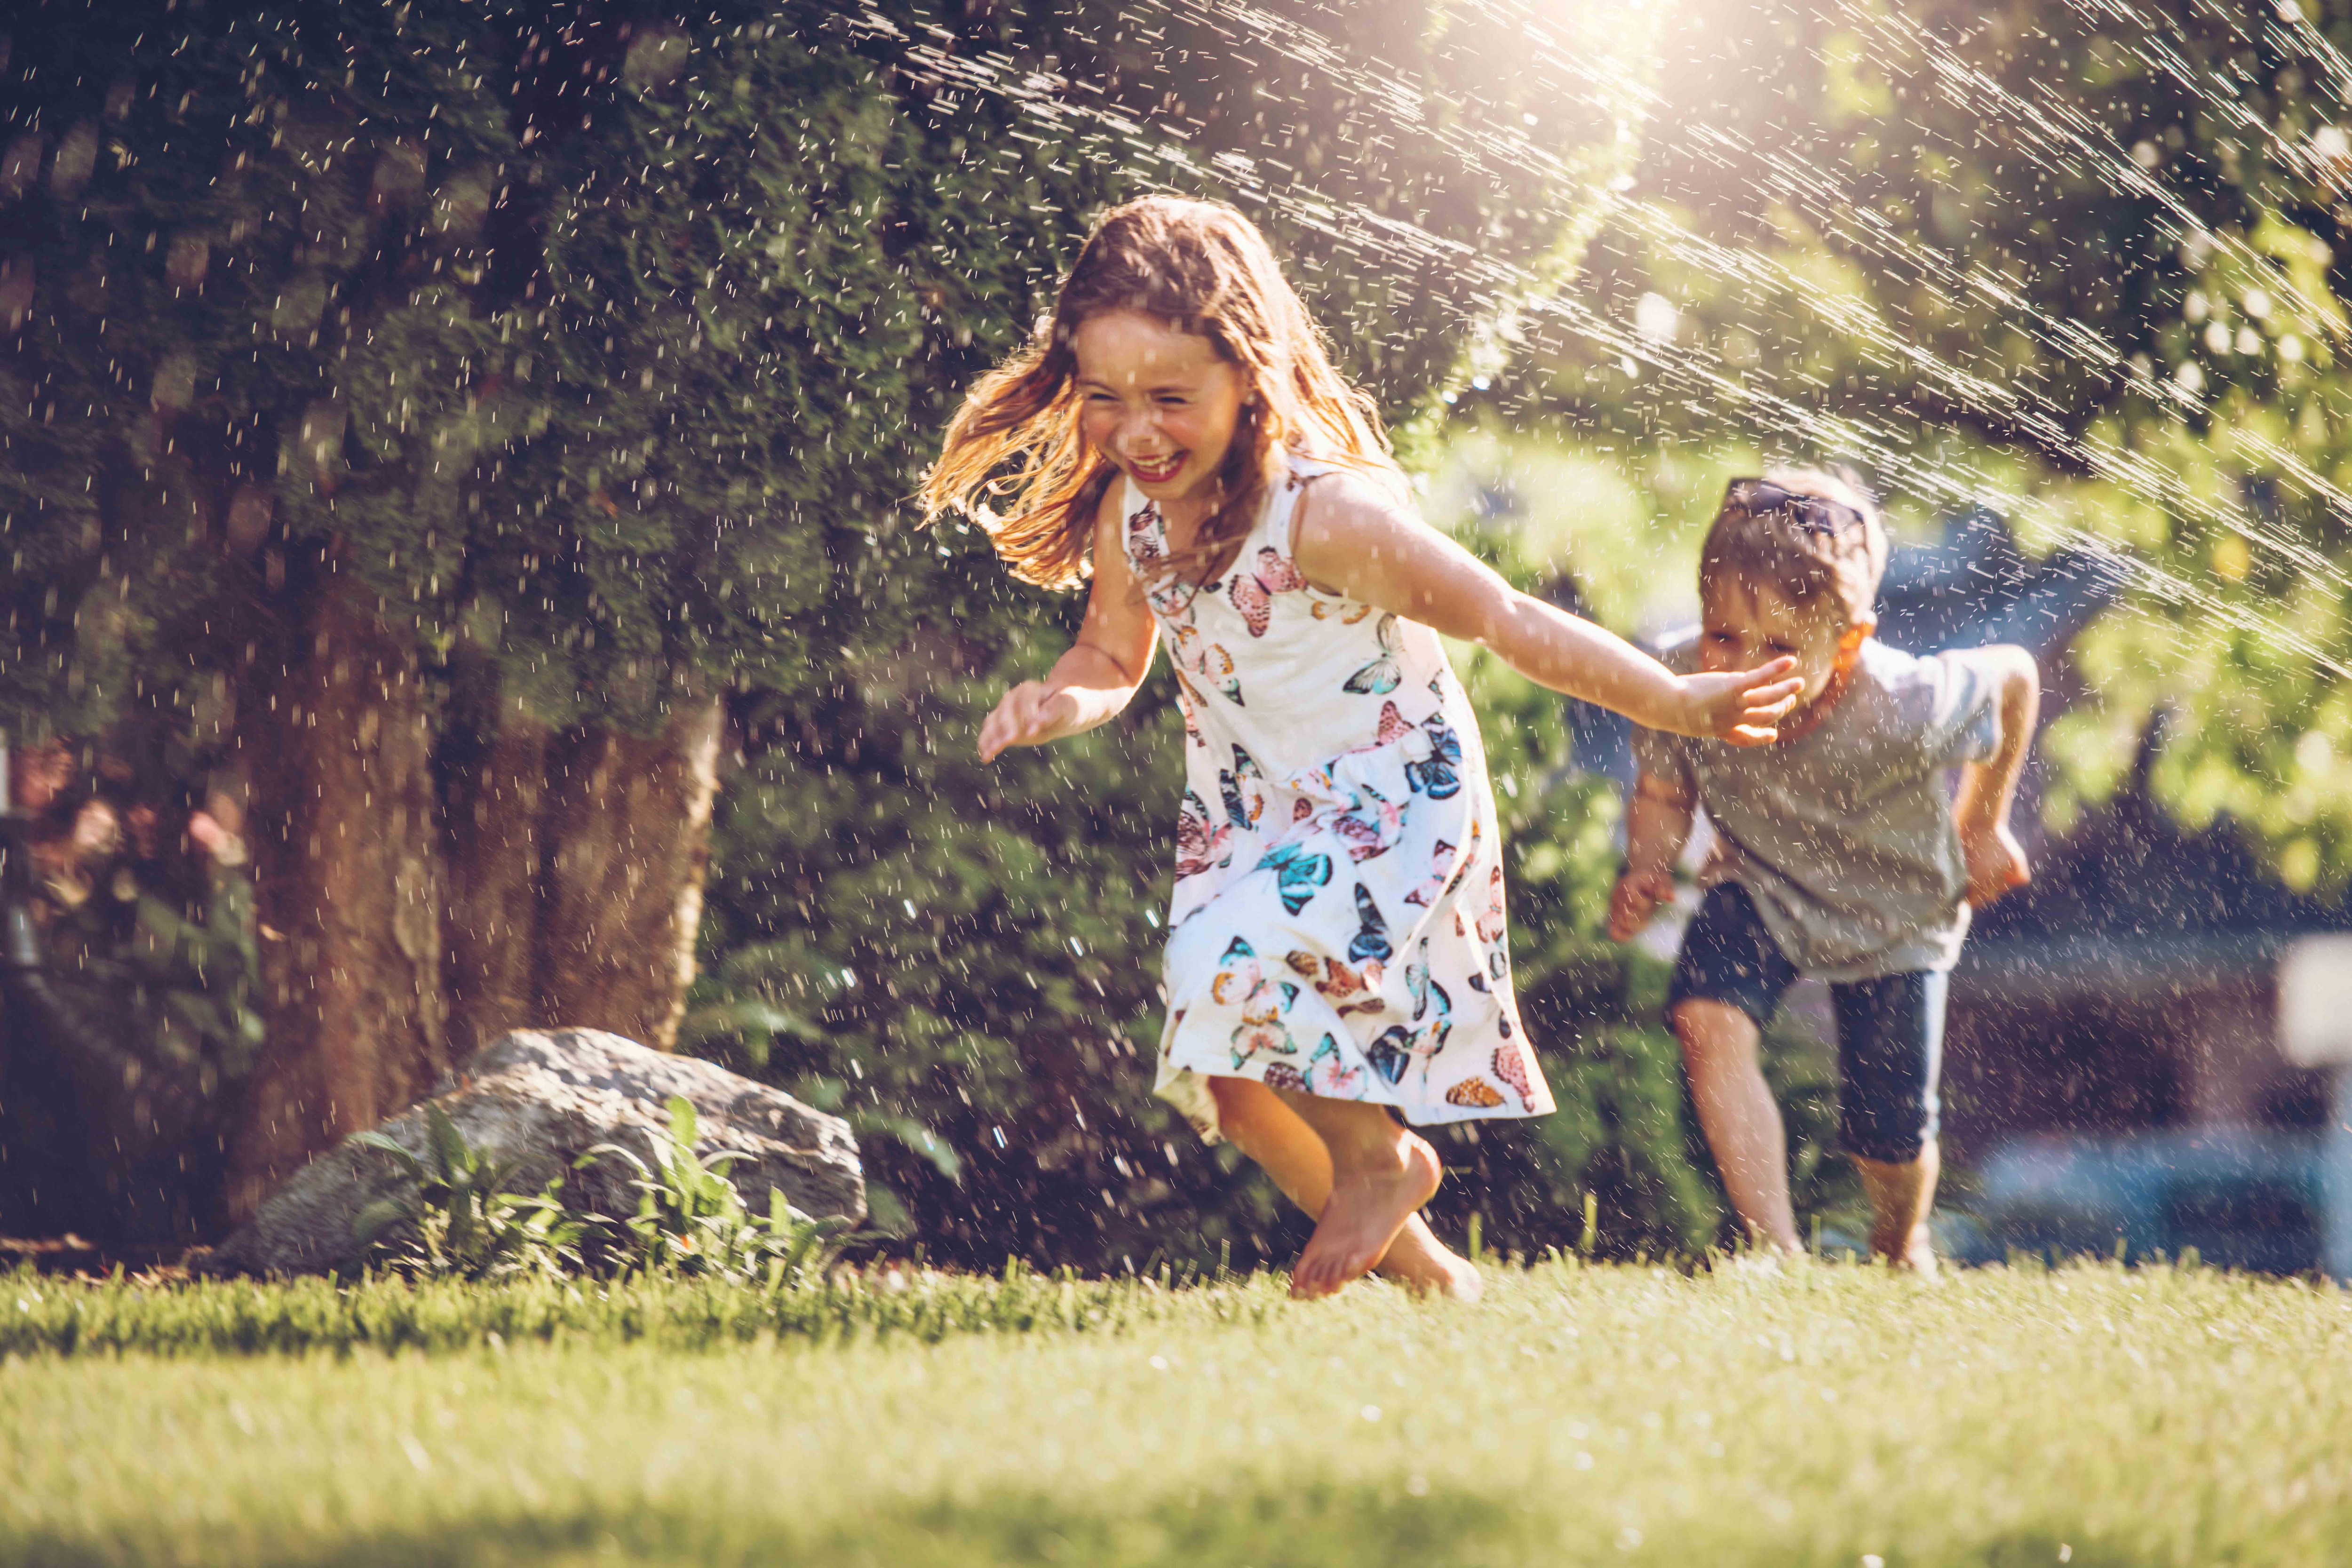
column 1363, row 1217
column 1762, row 1260
column 1916, row 1254
column 1419, row 1261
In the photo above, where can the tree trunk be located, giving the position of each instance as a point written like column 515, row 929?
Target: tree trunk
column 495, row 802
column 349, row 891
column 576, row 868
column 551, row 879
column 629, row 843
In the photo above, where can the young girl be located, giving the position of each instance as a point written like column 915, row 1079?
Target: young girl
column 1337, row 941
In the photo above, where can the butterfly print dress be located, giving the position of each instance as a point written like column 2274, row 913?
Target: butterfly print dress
column 1337, row 921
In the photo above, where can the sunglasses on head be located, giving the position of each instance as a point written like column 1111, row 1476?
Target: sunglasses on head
column 1814, row 514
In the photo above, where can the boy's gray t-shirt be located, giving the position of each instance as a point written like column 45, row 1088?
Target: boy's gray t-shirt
column 1844, row 836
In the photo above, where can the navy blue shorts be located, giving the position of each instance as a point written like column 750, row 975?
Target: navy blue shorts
column 1890, row 1030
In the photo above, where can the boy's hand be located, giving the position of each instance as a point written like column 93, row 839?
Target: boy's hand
column 1996, row 862
column 1637, row 898
column 1031, row 714
column 1744, row 706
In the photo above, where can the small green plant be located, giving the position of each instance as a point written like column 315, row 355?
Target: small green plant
column 691, row 1219
column 461, row 1220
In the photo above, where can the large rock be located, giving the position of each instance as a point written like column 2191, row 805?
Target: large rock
column 541, row 1100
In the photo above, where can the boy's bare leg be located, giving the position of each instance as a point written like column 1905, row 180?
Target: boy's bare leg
column 1381, row 1173
column 1742, row 1120
column 1262, row 1127
column 1900, row 1199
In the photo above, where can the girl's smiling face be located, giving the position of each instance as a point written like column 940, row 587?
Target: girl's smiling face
column 1160, row 404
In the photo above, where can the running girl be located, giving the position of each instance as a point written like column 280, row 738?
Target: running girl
column 1336, row 945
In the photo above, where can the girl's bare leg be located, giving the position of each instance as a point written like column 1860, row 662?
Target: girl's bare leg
column 1741, row 1119
column 1381, row 1173
column 1262, row 1127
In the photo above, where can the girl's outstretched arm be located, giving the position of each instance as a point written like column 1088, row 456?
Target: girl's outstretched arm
column 1091, row 683
column 1355, row 540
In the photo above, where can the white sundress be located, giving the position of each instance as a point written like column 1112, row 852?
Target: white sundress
column 1338, row 924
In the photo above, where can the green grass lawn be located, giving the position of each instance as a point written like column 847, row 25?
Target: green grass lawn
column 1828, row 1415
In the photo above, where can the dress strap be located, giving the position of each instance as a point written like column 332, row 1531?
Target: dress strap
column 1282, row 507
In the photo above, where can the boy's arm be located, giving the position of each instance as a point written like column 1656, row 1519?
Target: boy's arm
column 1657, row 825
column 1353, row 540
column 1095, row 680
column 1995, row 860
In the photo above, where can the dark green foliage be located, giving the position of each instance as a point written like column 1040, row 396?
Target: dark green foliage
column 962, row 959
column 249, row 226
column 560, row 391
column 612, row 346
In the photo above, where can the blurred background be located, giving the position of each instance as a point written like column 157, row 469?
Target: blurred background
column 459, row 571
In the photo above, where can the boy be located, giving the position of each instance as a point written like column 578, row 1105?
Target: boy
column 1841, row 855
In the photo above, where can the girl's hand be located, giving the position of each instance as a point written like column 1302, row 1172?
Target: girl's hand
column 1356, row 539
column 1745, row 707
column 1031, row 714
column 1637, row 898
column 1996, row 862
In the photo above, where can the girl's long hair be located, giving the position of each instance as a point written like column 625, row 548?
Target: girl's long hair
column 1017, row 459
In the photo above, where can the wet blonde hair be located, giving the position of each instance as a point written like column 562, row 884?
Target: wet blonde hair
column 1837, row 554
column 1016, row 458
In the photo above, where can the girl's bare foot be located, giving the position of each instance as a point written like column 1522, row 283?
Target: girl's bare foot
column 1367, row 1210
column 1265, row 1127
column 1419, row 1261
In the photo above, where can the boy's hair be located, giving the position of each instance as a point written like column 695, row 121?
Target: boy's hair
column 1199, row 267
column 1834, row 547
